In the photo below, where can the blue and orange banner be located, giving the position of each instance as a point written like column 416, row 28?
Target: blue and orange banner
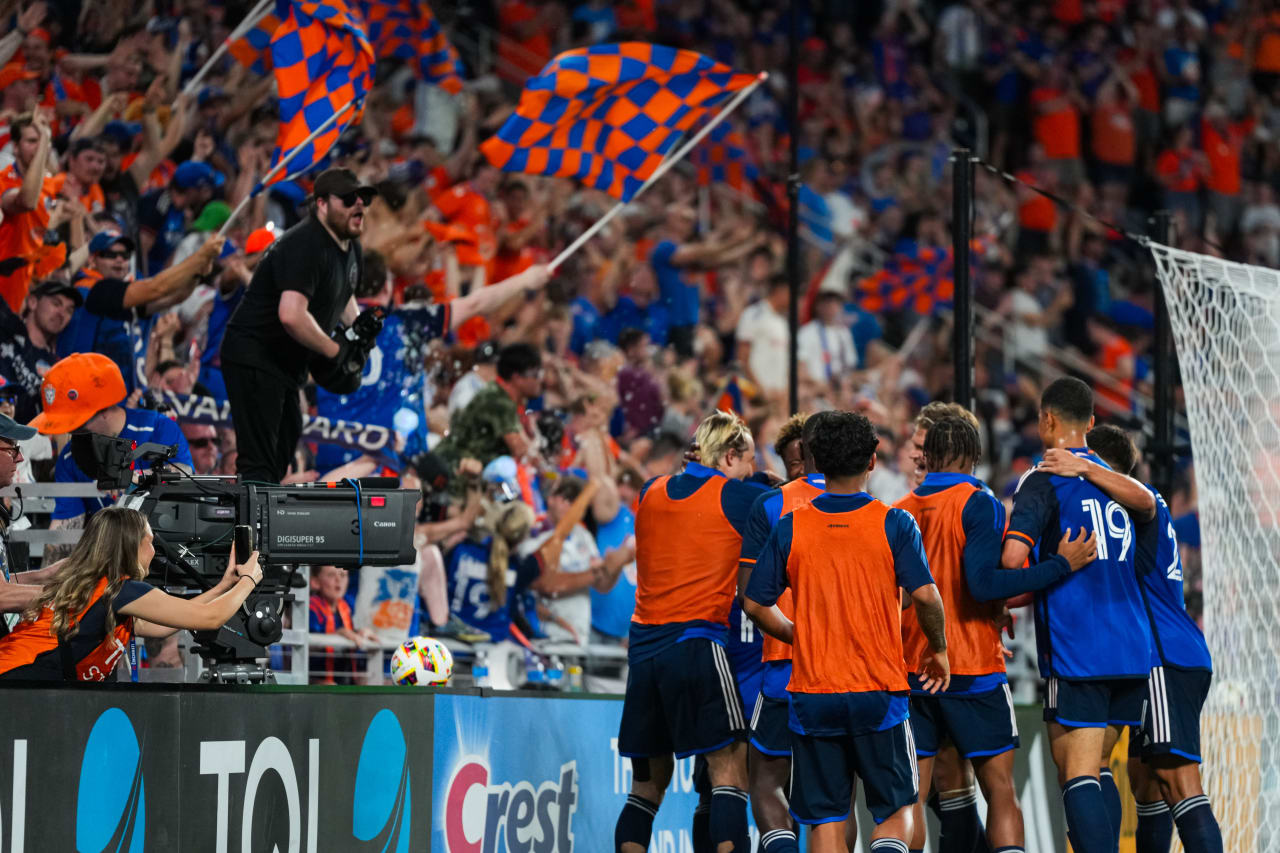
column 323, row 63
column 608, row 114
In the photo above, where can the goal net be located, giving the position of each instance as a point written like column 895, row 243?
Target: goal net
column 1226, row 326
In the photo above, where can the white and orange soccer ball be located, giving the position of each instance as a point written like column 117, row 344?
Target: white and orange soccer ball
column 421, row 661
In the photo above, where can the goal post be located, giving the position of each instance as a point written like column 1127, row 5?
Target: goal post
column 1225, row 319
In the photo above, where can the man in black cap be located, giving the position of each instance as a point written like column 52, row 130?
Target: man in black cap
column 301, row 290
column 28, row 344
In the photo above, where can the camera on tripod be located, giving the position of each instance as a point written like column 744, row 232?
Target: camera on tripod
column 357, row 523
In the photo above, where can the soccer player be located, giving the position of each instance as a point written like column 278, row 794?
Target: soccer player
column 681, row 699
column 961, row 522
column 1092, row 635
column 1164, row 762
column 844, row 556
column 956, row 803
column 769, row 760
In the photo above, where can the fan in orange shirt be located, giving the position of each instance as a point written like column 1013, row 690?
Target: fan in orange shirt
column 1223, row 141
column 1056, row 122
column 26, row 195
column 467, row 204
column 1181, row 169
column 520, row 232
column 85, row 163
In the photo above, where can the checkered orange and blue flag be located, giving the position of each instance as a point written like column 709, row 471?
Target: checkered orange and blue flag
column 407, row 29
column 608, row 114
column 724, row 158
column 323, row 63
column 253, row 49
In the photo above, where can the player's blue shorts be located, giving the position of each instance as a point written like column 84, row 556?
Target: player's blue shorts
column 1171, row 722
column 978, row 724
column 682, row 700
column 824, row 769
column 769, row 732
column 1094, row 704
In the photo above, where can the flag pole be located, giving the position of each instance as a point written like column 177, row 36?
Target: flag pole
column 284, row 161
column 256, row 14
column 664, row 167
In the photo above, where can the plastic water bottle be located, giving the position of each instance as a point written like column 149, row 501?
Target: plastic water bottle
column 535, row 674
column 480, row 669
column 555, row 674
column 575, row 678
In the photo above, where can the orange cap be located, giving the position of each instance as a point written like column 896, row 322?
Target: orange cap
column 77, row 388
column 259, row 240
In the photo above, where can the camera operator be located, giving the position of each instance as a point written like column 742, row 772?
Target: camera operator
column 299, row 292
column 85, row 392
column 85, row 619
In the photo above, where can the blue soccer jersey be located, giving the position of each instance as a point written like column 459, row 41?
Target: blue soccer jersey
column 469, row 596
column 1178, row 639
column 392, row 379
column 1092, row 624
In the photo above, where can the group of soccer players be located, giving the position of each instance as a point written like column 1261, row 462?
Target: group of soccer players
column 882, row 659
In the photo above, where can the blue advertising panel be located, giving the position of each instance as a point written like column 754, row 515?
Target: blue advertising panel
column 540, row 775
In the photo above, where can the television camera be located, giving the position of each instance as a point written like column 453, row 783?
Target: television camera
column 355, row 523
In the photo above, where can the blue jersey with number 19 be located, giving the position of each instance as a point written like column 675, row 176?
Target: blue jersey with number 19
column 1178, row 639
column 1092, row 624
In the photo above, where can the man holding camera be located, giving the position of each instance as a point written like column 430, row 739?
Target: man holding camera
column 285, row 326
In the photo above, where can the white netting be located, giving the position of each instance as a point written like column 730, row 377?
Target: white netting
column 1226, row 325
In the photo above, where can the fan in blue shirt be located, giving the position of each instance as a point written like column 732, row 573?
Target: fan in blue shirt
column 676, row 257
column 393, row 376
column 1164, row 770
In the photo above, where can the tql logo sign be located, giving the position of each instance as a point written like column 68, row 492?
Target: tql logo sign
column 478, row 812
column 380, row 801
column 111, row 816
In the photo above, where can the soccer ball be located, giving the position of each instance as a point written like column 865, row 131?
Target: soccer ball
column 421, row 660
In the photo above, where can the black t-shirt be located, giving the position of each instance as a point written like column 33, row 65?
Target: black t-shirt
column 306, row 259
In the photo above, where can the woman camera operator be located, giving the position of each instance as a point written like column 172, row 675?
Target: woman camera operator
column 86, row 617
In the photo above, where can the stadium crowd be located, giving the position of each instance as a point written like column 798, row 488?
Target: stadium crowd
column 114, row 181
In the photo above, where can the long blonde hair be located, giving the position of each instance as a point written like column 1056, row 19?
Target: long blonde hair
column 509, row 524
column 108, row 549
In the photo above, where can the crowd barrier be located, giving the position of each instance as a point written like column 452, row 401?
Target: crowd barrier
column 291, row 769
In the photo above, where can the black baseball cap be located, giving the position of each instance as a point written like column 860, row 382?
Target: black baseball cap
column 53, row 287
column 341, row 182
